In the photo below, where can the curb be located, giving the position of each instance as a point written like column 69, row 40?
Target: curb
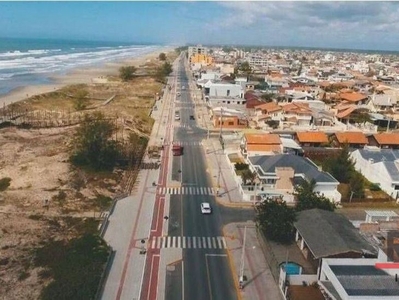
column 234, row 204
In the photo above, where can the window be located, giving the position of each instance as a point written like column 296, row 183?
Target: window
column 231, row 123
column 228, row 92
column 396, row 187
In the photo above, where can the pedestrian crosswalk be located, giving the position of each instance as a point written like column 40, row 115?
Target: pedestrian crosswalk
column 192, row 143
column 186, row 190
column 188, row 242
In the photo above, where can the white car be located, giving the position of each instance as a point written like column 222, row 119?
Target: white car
column 206, row 208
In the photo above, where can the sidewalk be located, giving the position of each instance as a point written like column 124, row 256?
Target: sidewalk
column 130, row 222
column 259, row 283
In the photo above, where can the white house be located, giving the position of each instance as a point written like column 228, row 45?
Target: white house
column 223, row 89
column 379, row 166
column 279, row 174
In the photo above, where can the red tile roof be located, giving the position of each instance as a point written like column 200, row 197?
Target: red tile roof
column 352, row 97
column 312, row 137
column 351, row 137
column 262, row 139
column 387, row 138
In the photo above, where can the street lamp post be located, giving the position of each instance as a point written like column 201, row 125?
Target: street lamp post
column 241, row 278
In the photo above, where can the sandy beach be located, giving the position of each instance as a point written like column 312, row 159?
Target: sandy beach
column 82, row 75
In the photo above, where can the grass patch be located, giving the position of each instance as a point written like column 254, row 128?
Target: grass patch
column 76, row 267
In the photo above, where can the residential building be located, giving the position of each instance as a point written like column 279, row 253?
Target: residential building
column 279, row 174
column 353, row 139
column 385, row 140
column 297, row 114
column 199, row 49
column 203, row 59
column 261, row 144
column 380, row 166
column 312, row 138
column 325, row 234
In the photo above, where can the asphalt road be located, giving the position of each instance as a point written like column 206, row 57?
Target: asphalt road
column 205, row 269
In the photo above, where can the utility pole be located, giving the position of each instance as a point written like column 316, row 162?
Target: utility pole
column 221, row 141
column 241, row 279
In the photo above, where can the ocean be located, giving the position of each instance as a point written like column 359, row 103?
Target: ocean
column 25, row 62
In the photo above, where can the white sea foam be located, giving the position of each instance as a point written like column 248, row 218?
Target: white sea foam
column 41, row 61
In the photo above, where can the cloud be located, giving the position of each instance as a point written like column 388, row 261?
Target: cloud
column 343, row 22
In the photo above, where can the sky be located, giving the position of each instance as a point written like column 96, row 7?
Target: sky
column 322, row 24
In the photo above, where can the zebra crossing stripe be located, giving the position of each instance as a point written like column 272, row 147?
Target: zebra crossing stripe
column 186, row 190
column 187, row 242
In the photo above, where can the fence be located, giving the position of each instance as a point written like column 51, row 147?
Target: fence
column 269, row 256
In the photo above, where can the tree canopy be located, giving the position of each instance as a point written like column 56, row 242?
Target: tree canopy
column 92, row 143
column 163, row 71
column 307, row 198
column 276, row 220
column 245, row 68
column 162, row 56
column 127, row 73
column 341, row 166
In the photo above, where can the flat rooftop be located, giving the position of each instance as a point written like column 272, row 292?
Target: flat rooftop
column 365, row 280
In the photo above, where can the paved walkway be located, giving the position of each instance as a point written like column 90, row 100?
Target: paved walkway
column 130, row 223
column 259, row 282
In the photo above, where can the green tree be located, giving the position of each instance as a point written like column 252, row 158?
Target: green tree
column 361, row 116
column 340, row 166
column 162, row 56
column 268, row 97
column 163, row 71
column 127, row 73
column 245, row 68
column 308, row 199
column 248, row 175
column 276, row 220
column 92, row 145
column 356, row 184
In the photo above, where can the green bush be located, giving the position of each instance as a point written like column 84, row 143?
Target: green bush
column 4, row 183
column 241, row 166
column 127, row 73
column 375, row 187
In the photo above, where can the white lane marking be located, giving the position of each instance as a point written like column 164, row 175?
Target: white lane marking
column 214, row 242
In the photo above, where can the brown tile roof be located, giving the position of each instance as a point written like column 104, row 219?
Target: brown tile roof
column 264, row 148
column 297, row 108
column 387, row 138
column 352, row 97
column 262, row 139
column 271, row 106
column 346, row 112
column 252, row 103
column 312, row 137
column 351, row 137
